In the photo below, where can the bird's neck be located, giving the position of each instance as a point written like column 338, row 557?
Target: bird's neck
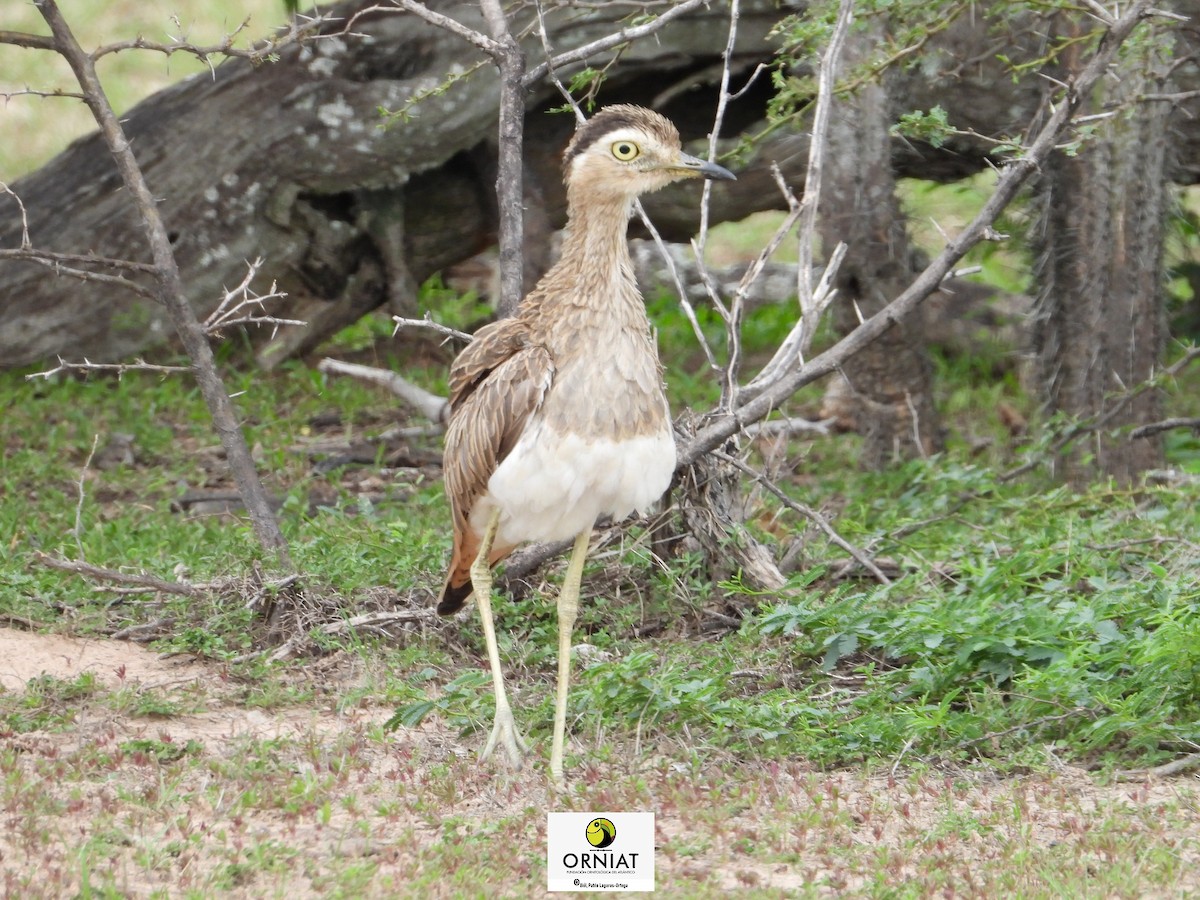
column 595, row 242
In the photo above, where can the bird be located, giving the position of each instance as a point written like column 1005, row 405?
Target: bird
column 558, row 414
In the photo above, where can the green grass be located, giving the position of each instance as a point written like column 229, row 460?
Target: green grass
column 1027, row 627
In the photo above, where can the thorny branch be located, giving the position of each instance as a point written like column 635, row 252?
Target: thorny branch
column 242, row 306
column 239, row 306
column 169, row 287
column 302, row 28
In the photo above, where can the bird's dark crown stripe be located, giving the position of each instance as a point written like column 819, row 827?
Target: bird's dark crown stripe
column 608, row 120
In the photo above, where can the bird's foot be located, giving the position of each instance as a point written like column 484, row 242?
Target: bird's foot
column 504, row 733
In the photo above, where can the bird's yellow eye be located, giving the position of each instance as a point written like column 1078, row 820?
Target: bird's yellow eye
column 625, row 150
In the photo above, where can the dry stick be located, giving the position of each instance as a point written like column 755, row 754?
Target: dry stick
column 624, row 36
column 428, row 323
column 297, row 31
column 809, row 513
column 87, row 464
column 1175, row 767
column 49, row 256
column 170, row 290
column 138, row 365
column 87, row 569
column 431, row 406
column 1145, row 431
column 733, row 317
column 1010, row 180
column 37, row 256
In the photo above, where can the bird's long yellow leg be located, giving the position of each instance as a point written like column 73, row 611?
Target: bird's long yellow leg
column 504, row 728
column 568, row 607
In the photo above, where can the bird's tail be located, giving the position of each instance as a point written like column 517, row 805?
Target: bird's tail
column 454, row 596
column 457, row 589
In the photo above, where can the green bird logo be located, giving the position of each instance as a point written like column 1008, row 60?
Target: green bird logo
column 601, row 833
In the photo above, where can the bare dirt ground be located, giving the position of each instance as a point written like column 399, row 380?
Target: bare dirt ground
column 225, row 799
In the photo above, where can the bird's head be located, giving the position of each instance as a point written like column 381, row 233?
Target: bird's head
column 629, row 150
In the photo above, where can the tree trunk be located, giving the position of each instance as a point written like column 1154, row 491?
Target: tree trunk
column 1099, row 326
column 884, row 392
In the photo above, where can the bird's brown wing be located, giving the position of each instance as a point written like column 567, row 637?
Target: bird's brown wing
column 496, row 383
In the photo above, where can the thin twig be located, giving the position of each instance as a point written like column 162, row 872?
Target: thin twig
column 230, row 311
column 733, row 320
column 624, row 36
column 1145, row 431
column 25, row 242
column 429, row 324
column 49, row 256
column 138, row 365
column 689, row 311
column 488, row 45
column 52, row 261
column 1175, row 767
column 87, row 464
column 809, row 513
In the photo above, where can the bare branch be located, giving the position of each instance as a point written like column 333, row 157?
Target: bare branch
column 488, row 45
column 429, row 324
column 139, row 365
column 431, row 406
column 31, row 41
column 733, row 319
column 87, row 464
column 624, row 36
column 25, row 242
column 88, row 570
column 231, row 311
column 301, row 28
column 809, row 513
column 1010, row 180
column 1145, row 431
column 688, row 310
column 51, row 257
column 1174, row 767
column 58, row 262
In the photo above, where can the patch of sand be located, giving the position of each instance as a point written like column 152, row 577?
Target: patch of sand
column 25, row 655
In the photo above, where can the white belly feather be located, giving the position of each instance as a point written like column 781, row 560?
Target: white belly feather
column 554, row 485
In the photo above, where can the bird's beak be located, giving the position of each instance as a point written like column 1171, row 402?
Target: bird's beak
column 693, row 165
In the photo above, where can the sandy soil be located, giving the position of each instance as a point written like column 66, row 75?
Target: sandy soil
column 233, row 818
